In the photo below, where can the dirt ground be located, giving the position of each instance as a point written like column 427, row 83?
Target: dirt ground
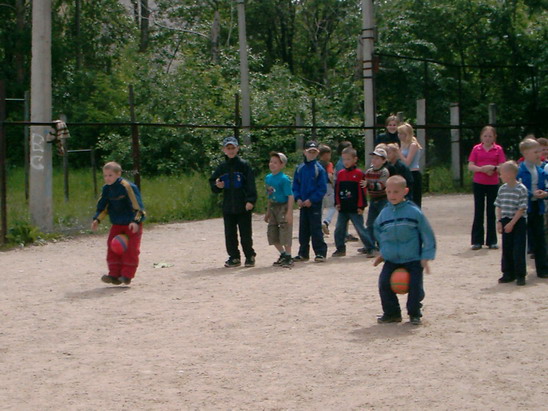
column 200, row 336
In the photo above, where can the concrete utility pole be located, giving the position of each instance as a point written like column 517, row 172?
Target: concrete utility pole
column 368, row 44
column 40, row 195
column 244, row 73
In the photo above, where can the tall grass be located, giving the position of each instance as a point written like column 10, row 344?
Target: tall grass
column 166, row 198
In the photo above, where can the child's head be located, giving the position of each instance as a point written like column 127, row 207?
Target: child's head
column 277, row 162
column 349, row 157
column 230, row 147
column 378, row 158
column 342, row 145
column 508, row 171
column 325, row 153
column 488, row 135
column 392, row 123
column 311, row 150
column 530, row 150
column 111, row 172
column 544, row 146
column 396, row 189
column 392, row 152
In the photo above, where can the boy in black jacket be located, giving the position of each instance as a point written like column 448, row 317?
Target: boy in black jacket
column 235, row 177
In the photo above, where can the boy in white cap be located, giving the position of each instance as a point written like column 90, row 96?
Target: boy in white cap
column 279, row 212
column 309, row 188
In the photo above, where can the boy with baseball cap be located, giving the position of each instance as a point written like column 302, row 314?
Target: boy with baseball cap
column 234, row 177
column 309, row 188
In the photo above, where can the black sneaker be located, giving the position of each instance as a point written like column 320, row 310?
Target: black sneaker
column 233, row 262
column 339, row 253
column 520, row 281
column 110, row 280
column 350, row 238
column 250, row 262
column 287, row 262
column 542, row 275
column 320, row 259
column 125, row 280
column 385, row 319
column 300, row 259
column 279, row 261
column 476, row 247
column 493, row 247
column 415, row 320
column 504, row 279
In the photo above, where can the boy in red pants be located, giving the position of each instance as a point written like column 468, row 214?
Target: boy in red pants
column 121, row 200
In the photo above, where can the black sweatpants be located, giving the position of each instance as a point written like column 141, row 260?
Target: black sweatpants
column 233, row 222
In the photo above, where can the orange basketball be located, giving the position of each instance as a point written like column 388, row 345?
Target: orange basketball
column 399, row 281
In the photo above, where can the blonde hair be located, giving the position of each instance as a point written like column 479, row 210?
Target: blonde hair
column 397, row 179
column 392, row 147
column 528, row 144
column 113, row 166
column 491, row 128
column 381, row 145
column 542, row 141
column 407, row 129
column 510, row 165
column 392, row 117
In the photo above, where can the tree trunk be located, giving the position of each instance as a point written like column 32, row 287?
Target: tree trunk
column 145, row 13
column 215, row 30
column 20, row 49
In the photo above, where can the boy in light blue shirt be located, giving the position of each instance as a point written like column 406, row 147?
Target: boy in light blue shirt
column 406, row 241
column 279, row 212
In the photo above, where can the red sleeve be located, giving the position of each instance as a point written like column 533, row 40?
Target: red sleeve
column 473, row 155
column 337, row 183
column 330, row 168
column 363, row 192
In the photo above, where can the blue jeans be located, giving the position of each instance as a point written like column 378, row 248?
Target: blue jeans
column 341, row 229
column 375, row 207
column 389, row 299
column 310, row 225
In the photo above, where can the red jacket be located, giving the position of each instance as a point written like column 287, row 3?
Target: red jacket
column 349, row 195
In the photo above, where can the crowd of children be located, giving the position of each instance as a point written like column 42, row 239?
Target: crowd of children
column 396, row 231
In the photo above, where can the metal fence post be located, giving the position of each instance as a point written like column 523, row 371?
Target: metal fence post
column 135, row 148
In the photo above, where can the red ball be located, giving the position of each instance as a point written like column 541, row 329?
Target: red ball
column 119, row 244
column 399, row 281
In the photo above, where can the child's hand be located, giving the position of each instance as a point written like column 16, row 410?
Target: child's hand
column 133, row 227
column 289, row 217
column 338, row 207
column 499, row 227
column 219, row 183
column 360, row 211
column 425, row 265
column 508, row 227
column 307, row 203
column 540, row 194
column 94, row 225
column 363, row 183
column 249, row 206
column 266, row 217
column 378, row 260
column 299, row 203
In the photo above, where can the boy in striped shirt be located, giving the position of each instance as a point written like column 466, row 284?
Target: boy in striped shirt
column 511, row 206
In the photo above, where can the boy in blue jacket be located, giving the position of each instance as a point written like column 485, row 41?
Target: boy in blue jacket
column 533, row 178
column 121, row 201
column 406, row 240
column 309, row 188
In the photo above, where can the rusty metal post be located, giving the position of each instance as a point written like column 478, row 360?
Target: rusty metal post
column 135, row 148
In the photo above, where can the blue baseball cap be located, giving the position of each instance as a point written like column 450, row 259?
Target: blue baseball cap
column 230, row 140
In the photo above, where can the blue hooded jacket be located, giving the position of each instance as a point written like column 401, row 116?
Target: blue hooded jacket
column 525, row 177
column 310, row 182
column 404, row 234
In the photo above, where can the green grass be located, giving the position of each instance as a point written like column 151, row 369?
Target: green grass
column 166, row 198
